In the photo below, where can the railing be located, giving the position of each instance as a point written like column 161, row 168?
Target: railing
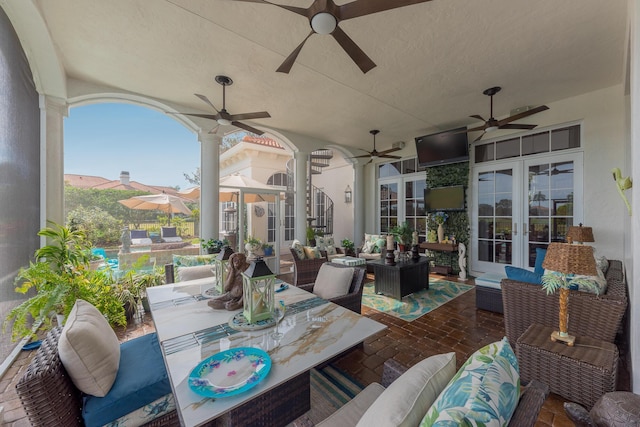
column 186, row 228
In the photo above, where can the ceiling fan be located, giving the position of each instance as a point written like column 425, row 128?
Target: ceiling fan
column 223, row 117
column 378, row 154
column 324, row 17
column 493, row 124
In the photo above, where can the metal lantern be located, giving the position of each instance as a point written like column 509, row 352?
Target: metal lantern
column 258, row 287
column 220, row 265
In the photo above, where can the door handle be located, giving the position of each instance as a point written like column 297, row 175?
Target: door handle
column 526, row 230
column 515, row 228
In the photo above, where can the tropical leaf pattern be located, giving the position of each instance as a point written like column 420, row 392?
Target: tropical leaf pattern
column 147, row 413
column 484, row 392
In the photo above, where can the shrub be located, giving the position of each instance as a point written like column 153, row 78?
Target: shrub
column 99, row 226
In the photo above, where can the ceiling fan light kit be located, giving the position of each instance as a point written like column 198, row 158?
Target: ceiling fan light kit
column 324, row 18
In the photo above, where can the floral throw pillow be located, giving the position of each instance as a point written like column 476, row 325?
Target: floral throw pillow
column 298, row 249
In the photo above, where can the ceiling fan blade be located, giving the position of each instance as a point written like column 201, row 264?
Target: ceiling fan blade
column 387, row 156
column 479, row 138
column 360, row 157
column 285, row 67
column 206, row 100
column 369, row 161
column 298, row 10
column 249, row 116
column 390, row 150
column 204, row 116
column 367, row 7
column 357, row 55
column 478, row 116
column 214, row 130
column 516, row 126
column 522, row 115
column 247, row 128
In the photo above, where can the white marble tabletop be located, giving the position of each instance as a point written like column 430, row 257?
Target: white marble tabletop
column 189, row 330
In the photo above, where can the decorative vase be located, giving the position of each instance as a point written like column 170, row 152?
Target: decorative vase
column 440, row 233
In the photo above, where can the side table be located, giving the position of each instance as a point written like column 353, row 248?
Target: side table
column 581, row 373
column 403, row 278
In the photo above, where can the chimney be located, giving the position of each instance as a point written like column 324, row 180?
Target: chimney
column 124, row 178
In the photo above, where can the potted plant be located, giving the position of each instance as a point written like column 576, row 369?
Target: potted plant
column 60, row 275
column 213, row 246
column 440, row 218
column 311, row 236
column 267, row 249
column 253, row 246
column 403, row 234
column 349, row 247
column 131, row 288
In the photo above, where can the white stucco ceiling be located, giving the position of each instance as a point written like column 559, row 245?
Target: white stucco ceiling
column 433, row 59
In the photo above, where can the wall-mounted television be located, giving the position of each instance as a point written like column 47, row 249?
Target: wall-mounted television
column 442, row 148
column 444, row 198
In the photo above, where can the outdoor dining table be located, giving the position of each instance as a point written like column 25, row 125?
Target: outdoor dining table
column 314, row 331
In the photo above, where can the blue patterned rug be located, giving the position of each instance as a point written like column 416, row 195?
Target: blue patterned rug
column 417, row 304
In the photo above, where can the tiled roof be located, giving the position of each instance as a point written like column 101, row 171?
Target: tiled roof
column 87, row 181
column 262, row 140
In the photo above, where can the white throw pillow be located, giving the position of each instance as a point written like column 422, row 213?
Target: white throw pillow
column 408, row 398
column 89, row 350
column 332, row 281
column 195, row 272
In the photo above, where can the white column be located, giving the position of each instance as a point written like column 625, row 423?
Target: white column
column 300, row 158
column 209, row 185
column 52, row 113
column 358, row 204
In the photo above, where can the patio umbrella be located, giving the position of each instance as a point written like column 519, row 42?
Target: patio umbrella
column 231, row 185
column 192, row 193
column 162, row 202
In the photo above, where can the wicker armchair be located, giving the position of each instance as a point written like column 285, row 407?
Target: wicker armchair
column 526, row 414
column 49, row 397
column 352, row 300
column 306, row 270
column 595, row 316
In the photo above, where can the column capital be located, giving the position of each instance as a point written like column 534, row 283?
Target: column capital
column 205, row 136
column 54, row 104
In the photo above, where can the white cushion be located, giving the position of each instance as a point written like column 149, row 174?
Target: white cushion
column 172, row 239
column 89, row 349
column 352, row 411
column 193, row 273
column 408, row 398
column 332, row 281
column 144, row 241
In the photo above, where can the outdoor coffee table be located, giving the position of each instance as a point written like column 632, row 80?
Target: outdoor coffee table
column 401, row 279
column 189, row 331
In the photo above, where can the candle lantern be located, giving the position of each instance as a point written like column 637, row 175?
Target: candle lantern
column 258, row 291
column 220, row 265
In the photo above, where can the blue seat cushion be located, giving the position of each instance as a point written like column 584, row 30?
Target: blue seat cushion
column 141, row 379
column 522, row 275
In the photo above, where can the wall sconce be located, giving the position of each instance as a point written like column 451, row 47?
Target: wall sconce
column 348, row 195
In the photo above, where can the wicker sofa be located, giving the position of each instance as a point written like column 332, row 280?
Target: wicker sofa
column 306, row 270
column 48, row 395
column 595, row 316
column 525, row 415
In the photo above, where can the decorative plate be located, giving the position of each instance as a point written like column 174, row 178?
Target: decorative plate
column 240, row 323
column 230, row 372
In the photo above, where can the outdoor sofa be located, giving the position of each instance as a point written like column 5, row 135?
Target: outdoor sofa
column 595, row 316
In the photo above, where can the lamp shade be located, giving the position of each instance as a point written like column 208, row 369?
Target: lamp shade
column 570, row 259
column 580, row 234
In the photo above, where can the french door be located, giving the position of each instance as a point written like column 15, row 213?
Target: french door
column 520, row 205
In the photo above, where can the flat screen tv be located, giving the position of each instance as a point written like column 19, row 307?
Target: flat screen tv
column 442, row 148
column 444, row 198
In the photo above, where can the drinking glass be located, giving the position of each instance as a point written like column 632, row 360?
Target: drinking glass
column 278, row 315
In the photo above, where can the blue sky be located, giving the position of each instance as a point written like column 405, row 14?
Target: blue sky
column 104, row 139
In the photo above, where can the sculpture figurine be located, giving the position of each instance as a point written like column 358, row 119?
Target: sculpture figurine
column 232, row 298
column 126, row 241
column 462, row 261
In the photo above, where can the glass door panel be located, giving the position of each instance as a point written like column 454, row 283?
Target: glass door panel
column 388, row 206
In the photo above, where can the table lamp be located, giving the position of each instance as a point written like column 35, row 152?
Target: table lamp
column 258, row 291
column 566, row 259
column 580, row 234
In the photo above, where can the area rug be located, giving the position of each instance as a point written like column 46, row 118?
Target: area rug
column 330, row 389
column 417, row 304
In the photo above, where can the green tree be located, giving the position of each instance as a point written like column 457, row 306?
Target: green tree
column 100, row 228
column 107, row 200
column 193, row 178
